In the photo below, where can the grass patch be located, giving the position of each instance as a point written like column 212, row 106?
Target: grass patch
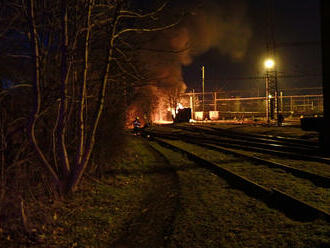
column 141, row 200
column 131, row 201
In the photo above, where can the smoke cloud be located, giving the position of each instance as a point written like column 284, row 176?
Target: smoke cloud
column 223, row 26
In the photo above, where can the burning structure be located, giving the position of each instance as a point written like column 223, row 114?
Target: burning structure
column 204, row 26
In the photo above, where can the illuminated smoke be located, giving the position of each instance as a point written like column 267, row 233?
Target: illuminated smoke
column 222, row 27
column 212, row 25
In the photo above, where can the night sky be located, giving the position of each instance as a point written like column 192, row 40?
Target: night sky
column 294, row 21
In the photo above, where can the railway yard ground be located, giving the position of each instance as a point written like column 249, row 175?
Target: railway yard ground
column 199, row 185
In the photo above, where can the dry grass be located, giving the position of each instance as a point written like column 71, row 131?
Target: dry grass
column 142, row 201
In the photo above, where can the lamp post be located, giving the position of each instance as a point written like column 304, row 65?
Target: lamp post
column 270, row 87
column 203, row 81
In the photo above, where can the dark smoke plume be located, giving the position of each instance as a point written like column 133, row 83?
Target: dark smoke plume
column 216, row 24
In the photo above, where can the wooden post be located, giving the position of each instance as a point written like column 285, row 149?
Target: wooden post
column 281, row 109
column 191, row 105
column 215, row 101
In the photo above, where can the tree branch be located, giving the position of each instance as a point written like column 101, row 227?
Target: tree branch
column 132, row 14
column 143, row 30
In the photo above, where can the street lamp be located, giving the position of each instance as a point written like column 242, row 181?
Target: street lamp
column 269, row 65
column 272, row 105
column 203, row 89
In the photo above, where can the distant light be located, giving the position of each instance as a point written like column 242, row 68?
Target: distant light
column 270, row 96
column 269, row 63
column 199, row 115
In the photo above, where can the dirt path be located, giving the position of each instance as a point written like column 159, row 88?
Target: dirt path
column 155, row 224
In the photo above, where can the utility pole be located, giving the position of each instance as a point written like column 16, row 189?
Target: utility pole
column 192, row 103
column 271, row 73
column 203, row 83
column 267, row 101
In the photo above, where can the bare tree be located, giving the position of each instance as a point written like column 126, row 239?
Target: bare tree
column 82, row 93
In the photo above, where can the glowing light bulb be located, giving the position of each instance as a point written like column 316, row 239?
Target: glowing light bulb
column 269, row 63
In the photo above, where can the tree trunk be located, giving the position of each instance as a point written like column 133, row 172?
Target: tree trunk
column 37, row 91
column 63, row 111
column 77, row 173
column 83, row 88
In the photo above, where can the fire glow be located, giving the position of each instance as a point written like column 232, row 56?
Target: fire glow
column 196, row 34
column 163, row 122
column 161, row 117
column 175, row 111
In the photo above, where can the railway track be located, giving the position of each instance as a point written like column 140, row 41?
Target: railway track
column 318, row 180
column 270, row 194
column 267, row 138
column 312, row 170
column 290, row 148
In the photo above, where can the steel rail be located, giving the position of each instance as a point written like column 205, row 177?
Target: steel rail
column 248, row 146
column 321, row 181
column 273, row 197
column 288, row 140
column 318, row 180
column 262, row 138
